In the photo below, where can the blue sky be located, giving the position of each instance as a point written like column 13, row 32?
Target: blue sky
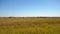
column 24, row 8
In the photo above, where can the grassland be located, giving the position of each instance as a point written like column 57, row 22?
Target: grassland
column 29, row 25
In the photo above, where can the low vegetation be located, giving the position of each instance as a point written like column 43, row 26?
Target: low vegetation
column 29, row 25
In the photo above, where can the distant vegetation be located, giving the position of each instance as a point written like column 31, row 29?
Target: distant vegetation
column 29, row 25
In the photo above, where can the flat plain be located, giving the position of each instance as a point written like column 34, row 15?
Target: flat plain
column 29, row 25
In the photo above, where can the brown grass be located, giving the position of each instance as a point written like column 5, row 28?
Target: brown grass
column 29, row 25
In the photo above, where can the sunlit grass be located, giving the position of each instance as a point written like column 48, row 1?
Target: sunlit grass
column 29, row 25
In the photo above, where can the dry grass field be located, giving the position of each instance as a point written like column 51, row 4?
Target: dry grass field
column 29, row 25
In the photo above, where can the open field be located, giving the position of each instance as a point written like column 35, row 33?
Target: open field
column 29, row 25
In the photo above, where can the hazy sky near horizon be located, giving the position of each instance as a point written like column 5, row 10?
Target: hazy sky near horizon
column 25, row 8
